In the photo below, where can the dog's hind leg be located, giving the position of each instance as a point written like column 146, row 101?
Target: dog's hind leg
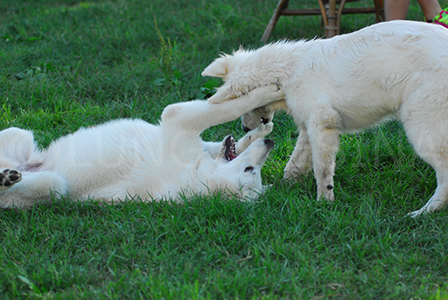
column 437, row 201
column 437, row 157
column 433, row 148
column 23, row 190
column 424, row 119
column 301, row 159
column 16, row 146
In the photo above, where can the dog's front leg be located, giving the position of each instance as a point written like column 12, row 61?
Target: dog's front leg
column 258, row 133
column 301, row 159
column 200, row 115
column 323, row 129
column 214, row 148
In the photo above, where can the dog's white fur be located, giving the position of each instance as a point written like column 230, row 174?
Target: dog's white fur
column 348, row 83
column 131, row 158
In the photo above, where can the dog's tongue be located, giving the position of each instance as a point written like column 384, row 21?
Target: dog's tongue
column 232, row 153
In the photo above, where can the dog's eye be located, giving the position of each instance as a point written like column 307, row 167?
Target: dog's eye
column 249, row 169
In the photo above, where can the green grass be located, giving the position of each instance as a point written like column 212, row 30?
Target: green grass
column 67, row 64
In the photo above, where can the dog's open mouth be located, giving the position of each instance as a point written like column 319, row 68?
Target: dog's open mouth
column 230, row 152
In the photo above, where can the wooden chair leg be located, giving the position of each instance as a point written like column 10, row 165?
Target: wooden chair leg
column 332, row 28
column 338, row 22
column 282, row 4
column 379, row 11
column 331, row 15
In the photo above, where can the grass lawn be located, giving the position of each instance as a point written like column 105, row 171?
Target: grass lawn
column 65, row 64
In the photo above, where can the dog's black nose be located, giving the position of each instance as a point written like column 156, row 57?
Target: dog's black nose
column 269, row 143
column 264, row 120
column 246, row 129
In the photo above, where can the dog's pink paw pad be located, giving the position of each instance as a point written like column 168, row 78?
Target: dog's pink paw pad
column 8, row 178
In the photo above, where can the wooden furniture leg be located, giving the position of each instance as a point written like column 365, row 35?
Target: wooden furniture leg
column 282, row 5
column 330, row 10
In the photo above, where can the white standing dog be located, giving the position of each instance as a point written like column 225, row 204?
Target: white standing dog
column 131, row 158
column 347, row 83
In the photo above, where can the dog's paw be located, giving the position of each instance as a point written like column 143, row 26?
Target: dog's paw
column 414, row 214
column 291, row 172
column 422, row 211
column 261, row 131
column 270, row 93
column 265, row 128
column 8, row 178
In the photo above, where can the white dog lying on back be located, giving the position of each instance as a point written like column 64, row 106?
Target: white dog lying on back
column 131, row 158
column 347, row 83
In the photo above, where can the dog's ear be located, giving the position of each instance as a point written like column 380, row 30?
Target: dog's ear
column 218, row 68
